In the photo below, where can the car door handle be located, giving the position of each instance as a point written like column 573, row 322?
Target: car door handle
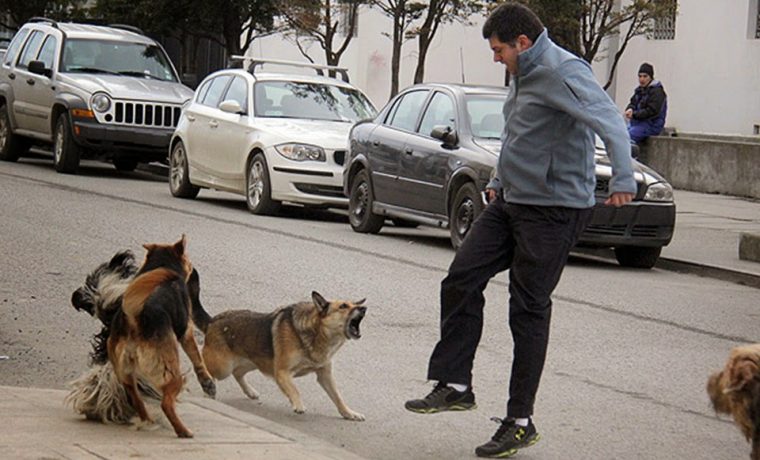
column 190, row 118
column 375, row 143
column 30, row 81
column 12, row 76
column 408, row 151
column 213, row 123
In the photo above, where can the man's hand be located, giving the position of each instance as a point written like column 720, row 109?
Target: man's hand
column 629, row 114
column 618, row 199
column 491, row 194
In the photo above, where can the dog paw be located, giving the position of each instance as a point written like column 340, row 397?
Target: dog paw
column 252, row 394
column 353, row 416
column 185, row 434
column 209, row 387
column 299, row 409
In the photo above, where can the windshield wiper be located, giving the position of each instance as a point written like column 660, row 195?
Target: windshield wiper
column 92, row 70
column 137, row 73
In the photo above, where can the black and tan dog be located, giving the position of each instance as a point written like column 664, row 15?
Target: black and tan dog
column 736, row 391
column 290, row 342
column 155, row 315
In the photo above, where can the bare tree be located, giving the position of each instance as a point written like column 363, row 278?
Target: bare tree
column 403, row 13
column 440, row 12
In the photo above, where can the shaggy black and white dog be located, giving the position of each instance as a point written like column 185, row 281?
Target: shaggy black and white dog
column 98, row 394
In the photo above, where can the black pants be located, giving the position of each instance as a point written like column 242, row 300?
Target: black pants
column 534, row 243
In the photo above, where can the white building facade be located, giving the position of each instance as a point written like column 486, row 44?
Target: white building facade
column 708, row 59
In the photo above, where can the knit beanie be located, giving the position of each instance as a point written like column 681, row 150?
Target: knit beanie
column 647, row 69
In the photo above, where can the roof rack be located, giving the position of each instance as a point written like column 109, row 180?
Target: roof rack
column 41, row 19
column 253, row 62
column 127, row 27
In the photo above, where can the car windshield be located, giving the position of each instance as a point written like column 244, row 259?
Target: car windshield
column 485, row 114
column 315, row 101
column 117, row 58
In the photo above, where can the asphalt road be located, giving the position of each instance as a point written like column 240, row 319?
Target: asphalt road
column 628, row 361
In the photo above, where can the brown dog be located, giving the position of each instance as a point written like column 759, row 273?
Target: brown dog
column 155, row 315
column 736, row 390
column 290, row 342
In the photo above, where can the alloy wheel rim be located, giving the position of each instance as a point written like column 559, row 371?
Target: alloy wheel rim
column 255, row 184
column 361, row 202
column 465, row 214
column 3, row 132
column 177, row 167
column 58, row 145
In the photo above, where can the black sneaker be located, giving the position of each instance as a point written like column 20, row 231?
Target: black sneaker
column 509, row 438
column 443, row 398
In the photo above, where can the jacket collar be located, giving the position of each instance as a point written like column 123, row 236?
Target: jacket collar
column 526, row 60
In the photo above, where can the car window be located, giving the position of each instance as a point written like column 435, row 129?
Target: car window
column 440, row 112
column 213, row 96
column 30, row 49
column 47, row 52
column 407, row 109
column 201, row 92
column 486, row 115
column 238, row 91
column 139, row 60
column 315, row 101
column 10, row 53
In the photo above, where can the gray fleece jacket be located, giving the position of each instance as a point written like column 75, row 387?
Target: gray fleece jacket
column 554, row 107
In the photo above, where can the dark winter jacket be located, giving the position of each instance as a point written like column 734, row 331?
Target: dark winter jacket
column 650, row 106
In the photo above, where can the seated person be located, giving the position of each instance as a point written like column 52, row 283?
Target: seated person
column 648, row 107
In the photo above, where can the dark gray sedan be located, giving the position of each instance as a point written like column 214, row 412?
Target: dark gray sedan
column 428, row 155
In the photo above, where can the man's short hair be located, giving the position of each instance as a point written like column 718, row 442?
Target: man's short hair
column 510, row 20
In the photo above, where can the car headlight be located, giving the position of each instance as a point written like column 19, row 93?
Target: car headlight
column 659, row 191
column 301, row 152
column 100, row 102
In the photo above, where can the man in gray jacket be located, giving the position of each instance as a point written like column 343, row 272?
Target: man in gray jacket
column 540, row 203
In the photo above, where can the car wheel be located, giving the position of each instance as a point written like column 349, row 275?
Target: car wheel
column 12, row 146
column 65, row 150
column 637, row 257
column 258, row 194
column 360, row 214
column 179, row 174
column 125, row 164
column 466, row 207
column 403, row 223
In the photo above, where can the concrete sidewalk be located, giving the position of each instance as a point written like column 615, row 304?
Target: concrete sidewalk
column 37, row 425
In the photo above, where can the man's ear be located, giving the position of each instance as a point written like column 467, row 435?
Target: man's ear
column 523, row 43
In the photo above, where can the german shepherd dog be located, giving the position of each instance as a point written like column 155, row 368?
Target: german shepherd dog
column 141, row 338
column 290, row 342
column 735, row 390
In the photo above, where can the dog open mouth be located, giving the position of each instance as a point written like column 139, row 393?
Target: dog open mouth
column 352, row 326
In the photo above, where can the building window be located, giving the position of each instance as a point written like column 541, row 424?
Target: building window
column 665, row 25
column 757, row 19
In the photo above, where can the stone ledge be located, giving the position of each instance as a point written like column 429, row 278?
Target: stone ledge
column 749, row 247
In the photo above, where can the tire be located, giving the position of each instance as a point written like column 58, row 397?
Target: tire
column 637, row 256
column 465, row 208
column 12, row 146
column 179, row 173
column 258, row 188
column 360, row 201
column 65, row 150
column 125, row 164
column 403, row 223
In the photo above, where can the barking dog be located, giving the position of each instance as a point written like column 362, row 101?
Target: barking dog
column 736, row 391
column 290, row 342
column 155, row 315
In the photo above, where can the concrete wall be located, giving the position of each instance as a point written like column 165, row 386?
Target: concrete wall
column 728, row 165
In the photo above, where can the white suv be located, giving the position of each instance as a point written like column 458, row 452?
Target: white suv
column 93, row 92
column 272, row 137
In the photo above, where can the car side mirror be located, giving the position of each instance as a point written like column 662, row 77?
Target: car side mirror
column 446, row 134
column 231, row 106
column 38, row 67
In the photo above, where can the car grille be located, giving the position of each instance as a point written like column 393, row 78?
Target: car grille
column 143, row 114
column 340, row 157
column 603, row 187
column 636, row 231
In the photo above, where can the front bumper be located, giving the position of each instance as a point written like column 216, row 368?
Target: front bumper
column 308, row 183
column 149, row 144
column 645, row 224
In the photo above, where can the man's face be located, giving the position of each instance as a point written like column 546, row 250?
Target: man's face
column 505, row 53
column 644, row 79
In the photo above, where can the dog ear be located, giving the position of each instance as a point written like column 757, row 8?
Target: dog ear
column 121, row 259
column 742, row 372
column 322, row 304
column 360, row 302
column 150, row 246
column 181, row 245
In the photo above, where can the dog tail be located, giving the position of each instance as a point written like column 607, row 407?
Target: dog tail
column 141, row 288
column 201, row 318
